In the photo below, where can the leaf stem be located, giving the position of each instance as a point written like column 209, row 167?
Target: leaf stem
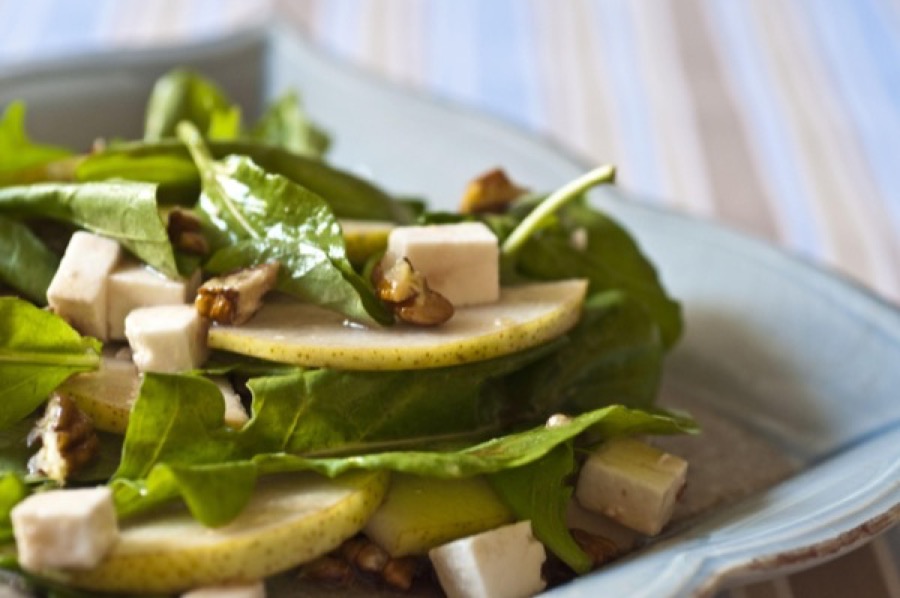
column 556, row 200
column 89, row 359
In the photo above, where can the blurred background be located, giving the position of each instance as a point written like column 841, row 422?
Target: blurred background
column 780, row 119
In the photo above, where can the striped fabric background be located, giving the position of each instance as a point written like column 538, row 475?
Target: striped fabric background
column 779, row 118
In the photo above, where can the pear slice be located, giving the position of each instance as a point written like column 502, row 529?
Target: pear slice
column 107, row 394
column 290, row 520
column 419, row 513
column 303, row 334
column 363, row 238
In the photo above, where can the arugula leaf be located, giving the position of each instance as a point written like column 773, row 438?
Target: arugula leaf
column 613, row 355
column 169, row 162
column 26, row 263
column 38, row 351
column 285, row 124
column 271, row 218
column 540, row 492
column 21, row 158
column 124, row 211
column 181, row 95
column 12, row 491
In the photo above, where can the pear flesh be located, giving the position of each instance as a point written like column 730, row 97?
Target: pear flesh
column 290, row 520
column 303, row 334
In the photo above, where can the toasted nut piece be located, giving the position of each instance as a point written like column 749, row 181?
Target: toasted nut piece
column 67, row 440
column 371, row 558
column 235, row 297
column 351, row 548
column 399, row 573
column 328, row 569
column 600, row 549
column 408, row 293
column 186, row 232
column 492, row 192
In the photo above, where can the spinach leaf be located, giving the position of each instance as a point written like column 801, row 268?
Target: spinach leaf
column 169, row 162
column 182, row 94
column 285, row 124
column 26, row 264
column 610, row 259
column 21, row 160
column 124, row 211
column 12, row 491
column 38, row 351
column 540, row 492
column 613, row 356
column 270, row 218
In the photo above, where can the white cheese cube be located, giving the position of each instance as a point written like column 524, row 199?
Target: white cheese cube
column 632, row 483
column 133, row 285
column 65, row 528
column 78, row 291
column 500, row 563
column 250, row 590
column 235, row 414
column 166, row 338
column 459, row 261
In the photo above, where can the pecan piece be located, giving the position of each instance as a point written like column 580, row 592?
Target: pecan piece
column 67, row 440
column 490, row 193
column 408, row 293
column 235, row 297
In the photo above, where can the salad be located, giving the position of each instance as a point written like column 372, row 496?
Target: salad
column 329, row 403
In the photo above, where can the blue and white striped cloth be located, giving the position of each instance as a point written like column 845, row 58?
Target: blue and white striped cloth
column 780, row 118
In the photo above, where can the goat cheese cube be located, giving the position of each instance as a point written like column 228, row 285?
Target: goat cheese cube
column 459, row 261
column 250, row 590
column 65, row 528
column 235, row 414
column 78, row 291
column 632, row 483
column 166, row 338
column 500, row 563
column 133, row 285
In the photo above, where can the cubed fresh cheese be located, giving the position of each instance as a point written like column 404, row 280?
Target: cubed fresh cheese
column 249, row 590
column 235, row 414
column 166, row 338
column 632, row 483
column 65, row 528
column 133, row 285
column 459, row 261
column 500, row 563
column 78, row 291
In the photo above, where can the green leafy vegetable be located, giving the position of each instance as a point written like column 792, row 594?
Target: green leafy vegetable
column 12, row 491
column 285, row 124
column 22, row 160
column 25, row 262
column 124, row 211
column 540, row 492
column 183, row 95
column 271, row 218
column 38, row 351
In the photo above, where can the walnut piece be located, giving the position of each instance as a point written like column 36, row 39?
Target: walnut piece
column 186, row 232
column 235, row 297
column 490, row 193
column 408, row 294
column 67, row 440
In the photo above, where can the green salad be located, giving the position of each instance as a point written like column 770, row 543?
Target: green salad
column 508, row 420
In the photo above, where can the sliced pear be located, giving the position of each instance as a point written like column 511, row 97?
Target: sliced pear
column 420, row 513
column 290, row 520
column 291, row 332
column 364, row 238
column 106, row 394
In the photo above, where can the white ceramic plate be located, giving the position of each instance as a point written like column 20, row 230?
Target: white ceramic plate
column 786, row 353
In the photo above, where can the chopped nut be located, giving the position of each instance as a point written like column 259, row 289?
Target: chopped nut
column 399, row 573
column 372, row 558
column 186, row 232
column 407, row 292
column 235, row 297
column 600, row 549
column 67, row 438
column 328, row 569
column 558, row 419
column 492, row 192
column 350, row 549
